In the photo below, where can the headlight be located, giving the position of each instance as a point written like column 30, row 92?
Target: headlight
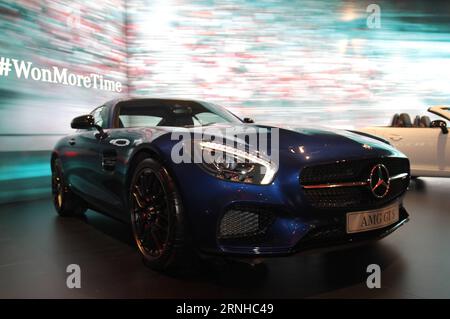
column 232, row 164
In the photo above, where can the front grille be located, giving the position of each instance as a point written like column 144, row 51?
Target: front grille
column 347, row 197
column 350, row 171
column 245, row 224
column 351, row 197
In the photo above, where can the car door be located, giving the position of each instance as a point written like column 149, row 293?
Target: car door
column 113, row 153
column 113, row 150
column 80, row 159
column 86, row 172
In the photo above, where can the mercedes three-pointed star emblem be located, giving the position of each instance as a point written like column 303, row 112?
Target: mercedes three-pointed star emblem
column 379, row 181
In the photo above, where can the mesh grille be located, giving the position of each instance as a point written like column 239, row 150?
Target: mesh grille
column 352, row 171
column 349, row 171
column 335, row 197
column 249, row 224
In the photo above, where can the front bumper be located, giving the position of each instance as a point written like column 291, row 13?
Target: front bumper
column 329, row 233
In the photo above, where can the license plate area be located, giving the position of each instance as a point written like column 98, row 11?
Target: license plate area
column 363, row 221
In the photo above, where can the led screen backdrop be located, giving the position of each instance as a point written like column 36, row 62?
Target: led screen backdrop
column 280, row 61
column 291, row 60
column 84, row 37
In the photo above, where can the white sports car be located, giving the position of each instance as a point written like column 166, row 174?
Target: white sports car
column 425, row 142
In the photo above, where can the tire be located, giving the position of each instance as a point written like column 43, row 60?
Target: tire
column 65, row 201
column 157, row 218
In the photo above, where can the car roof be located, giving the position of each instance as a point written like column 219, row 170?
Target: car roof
column 116, row 101
column 112, row 105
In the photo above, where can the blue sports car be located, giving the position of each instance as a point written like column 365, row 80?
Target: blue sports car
column 194, row 179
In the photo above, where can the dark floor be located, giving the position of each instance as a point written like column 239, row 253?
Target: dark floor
column 36, row 246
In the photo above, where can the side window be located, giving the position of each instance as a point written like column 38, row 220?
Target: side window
column 100, row 116
column 138, row 120
column 205, row 118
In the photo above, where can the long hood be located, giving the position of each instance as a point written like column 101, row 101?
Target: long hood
column 322, row 144
column 303, row 143
column 313, row 144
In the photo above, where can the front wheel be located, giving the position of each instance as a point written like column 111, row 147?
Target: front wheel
column 157, row 218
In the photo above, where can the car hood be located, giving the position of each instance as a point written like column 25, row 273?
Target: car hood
column 304, row 143
column 326, row 144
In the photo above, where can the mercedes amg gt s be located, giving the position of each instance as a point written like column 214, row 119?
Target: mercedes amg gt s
column 320, row 188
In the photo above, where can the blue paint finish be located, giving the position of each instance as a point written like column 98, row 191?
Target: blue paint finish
column 206, row 198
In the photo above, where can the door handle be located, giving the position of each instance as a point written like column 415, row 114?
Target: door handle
column 72, row 141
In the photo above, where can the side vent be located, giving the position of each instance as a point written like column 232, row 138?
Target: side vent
column 109, row 159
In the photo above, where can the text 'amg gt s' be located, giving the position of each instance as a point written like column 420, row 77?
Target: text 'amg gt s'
column 323, row 188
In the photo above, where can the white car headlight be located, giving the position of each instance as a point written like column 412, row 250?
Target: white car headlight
column 232, row 164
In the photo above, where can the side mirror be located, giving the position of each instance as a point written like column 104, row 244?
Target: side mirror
column 84, row 122
column 441, row 124
column 248, row 120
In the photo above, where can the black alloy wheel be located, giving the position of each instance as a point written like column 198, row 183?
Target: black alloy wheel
column 150, row 214
column 157, row 218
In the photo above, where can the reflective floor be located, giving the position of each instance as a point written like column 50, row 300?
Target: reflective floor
column 36, row 246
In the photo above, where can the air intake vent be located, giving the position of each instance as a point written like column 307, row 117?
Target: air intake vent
column 245, row 224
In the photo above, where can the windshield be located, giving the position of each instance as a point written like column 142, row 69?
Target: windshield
column 154, row 112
